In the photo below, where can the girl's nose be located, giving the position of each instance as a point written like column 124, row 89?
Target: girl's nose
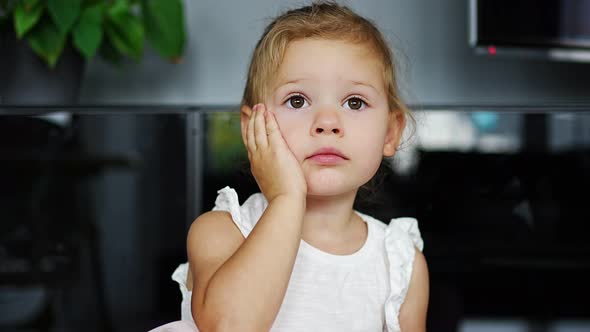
column 327, row 122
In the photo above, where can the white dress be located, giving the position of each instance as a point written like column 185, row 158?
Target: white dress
column 359, row 292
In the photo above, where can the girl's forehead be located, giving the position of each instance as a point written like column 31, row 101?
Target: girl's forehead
column 318, row 59
column 308, row 47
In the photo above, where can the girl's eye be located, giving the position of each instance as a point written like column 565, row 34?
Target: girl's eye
column 355, row 103
column 296, row 101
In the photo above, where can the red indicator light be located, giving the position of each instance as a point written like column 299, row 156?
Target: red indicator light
column 492, row 50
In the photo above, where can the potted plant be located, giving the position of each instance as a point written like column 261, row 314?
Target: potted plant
column 48, row 41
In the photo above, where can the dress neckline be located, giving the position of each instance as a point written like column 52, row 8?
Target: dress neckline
column 308, row 249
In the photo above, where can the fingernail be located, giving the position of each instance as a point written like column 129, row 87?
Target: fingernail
column 256, row 107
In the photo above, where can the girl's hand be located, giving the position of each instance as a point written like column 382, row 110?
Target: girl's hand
column 273, row 164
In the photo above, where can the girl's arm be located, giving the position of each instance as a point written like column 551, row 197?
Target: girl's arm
column 412, row 316
column 239, row 284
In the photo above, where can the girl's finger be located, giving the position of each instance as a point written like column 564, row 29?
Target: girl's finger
column 250, row 141
column 272, row 129
column 260, row 128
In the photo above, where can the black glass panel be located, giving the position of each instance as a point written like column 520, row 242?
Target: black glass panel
column 96, row 204
column 526, row 23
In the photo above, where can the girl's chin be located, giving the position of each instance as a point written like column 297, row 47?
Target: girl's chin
column 329, row 186
column 324, row 192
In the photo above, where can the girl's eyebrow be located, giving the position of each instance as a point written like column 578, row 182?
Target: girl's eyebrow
column 365, row 84
column 295, row 81
column 281, row 84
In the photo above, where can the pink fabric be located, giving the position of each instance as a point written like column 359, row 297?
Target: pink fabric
column 176, row 326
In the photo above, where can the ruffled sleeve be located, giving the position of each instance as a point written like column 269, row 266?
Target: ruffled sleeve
column 402, row 237
column 245, row 216
column 180, row 275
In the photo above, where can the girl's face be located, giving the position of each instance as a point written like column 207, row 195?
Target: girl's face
column 331, row 106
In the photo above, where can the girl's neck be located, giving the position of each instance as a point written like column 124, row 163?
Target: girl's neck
column 329, row 217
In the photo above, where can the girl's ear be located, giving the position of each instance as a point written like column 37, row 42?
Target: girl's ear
column 395, row 128
column 245, row 112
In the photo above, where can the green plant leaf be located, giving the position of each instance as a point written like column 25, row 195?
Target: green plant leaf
column 87, row 33
column 47, row 41
column 64, row 13
column 110, row 53
column 124, row 30
column 119, row 9
column 91, row 3
column 26, row 14
column 164, row 24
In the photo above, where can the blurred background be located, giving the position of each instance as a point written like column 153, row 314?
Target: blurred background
column 97, row 191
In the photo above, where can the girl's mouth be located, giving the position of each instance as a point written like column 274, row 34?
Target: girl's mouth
column 328, row 156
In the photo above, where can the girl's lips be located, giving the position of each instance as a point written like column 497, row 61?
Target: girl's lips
column 327, row 159
column 328, row 156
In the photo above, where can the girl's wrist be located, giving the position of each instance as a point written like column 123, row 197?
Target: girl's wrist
column 295, row 200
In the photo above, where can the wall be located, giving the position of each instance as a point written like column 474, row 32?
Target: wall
column 438, row 66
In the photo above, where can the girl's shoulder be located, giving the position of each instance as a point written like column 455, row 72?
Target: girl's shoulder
column 243, row 215
column 404, row 230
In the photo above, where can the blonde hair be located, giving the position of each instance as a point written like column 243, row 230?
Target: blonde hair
column 321, row 20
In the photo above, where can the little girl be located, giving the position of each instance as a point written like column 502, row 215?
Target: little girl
column 320, row 111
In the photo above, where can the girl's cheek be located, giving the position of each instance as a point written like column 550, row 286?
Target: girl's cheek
column 282, row 119
column 290, row 126
column 288, row 118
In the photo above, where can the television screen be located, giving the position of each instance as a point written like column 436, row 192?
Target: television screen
column 555, row 29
